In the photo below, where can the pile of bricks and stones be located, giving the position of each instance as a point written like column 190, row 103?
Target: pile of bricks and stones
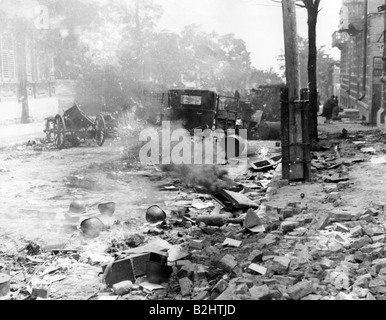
column 300, row 255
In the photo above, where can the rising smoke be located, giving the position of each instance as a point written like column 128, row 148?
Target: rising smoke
column 210, row 177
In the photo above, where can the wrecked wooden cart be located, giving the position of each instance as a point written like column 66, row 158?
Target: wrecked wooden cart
column 75, row 126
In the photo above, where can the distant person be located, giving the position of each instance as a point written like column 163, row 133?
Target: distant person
column 335, row 109
column 328, row 107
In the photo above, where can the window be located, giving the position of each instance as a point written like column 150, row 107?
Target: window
column 195, row 100
column 7, row 57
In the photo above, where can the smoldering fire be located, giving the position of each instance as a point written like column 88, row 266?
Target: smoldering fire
column 210, row 177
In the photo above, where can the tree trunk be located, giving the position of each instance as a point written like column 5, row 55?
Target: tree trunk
column 312, row 10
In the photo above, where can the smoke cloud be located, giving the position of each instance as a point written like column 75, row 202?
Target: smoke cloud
column 210, row 177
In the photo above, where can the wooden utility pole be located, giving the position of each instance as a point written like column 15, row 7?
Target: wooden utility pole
column 294, row 117
column 384, row 56
column 291, row 49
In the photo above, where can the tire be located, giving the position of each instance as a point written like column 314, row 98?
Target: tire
column 49, row 130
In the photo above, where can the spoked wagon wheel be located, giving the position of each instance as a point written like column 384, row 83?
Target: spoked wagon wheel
column 49, row 130
column 100, row 130
column 59, row 131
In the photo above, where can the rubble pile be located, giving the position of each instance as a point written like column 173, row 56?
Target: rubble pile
column 235, row 243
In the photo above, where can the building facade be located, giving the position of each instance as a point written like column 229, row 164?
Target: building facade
column 360, row 39
column 27, row 84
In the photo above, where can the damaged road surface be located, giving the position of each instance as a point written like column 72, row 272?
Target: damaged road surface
column 107, row 227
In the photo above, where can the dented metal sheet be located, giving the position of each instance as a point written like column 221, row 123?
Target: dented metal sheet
column 235, row 200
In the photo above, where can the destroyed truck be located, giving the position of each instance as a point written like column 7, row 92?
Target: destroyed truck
column 198, row 109
column 201, row 109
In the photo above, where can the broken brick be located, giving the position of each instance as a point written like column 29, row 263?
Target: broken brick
column 186, row 271
column 199, row 272
column 333, row 196
column 300, row 219
column 270, row 282
column 227, row 262
column 376, row 253
column 379, row 264
column 376, row 283
column 267, row 258
column 122, row 287
column 370, row 247
column 343, row 185
column 287, row 212
column 241, row 288
column 258, row 269
column 356, row 231
column 370, row 297
column 201, row 295
column 308, row 217
column 315, row 271
column 359, row 256
column 287, row 281
column 330, row 188
column 255, row 256
column 288, row 226
column 363, row 281
column 275, row 294
column 342, row 281
column 260, row 292
column 326, row 263
column 341, row 228
column 232, row 243
column 280, row 265
column 374, row 230
column 220, row 286
column 196, row 244
column 186, row 286
column 345, row 216
column 360, row 242
column 360, row 292
column 248, row 281
column 344, row 296
column 367, row 217
column 373, row 212
column 335, row 246
column 380, row 238
column 295, row 204
column 321, row 221
column 180, row 263
column 300, row 290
